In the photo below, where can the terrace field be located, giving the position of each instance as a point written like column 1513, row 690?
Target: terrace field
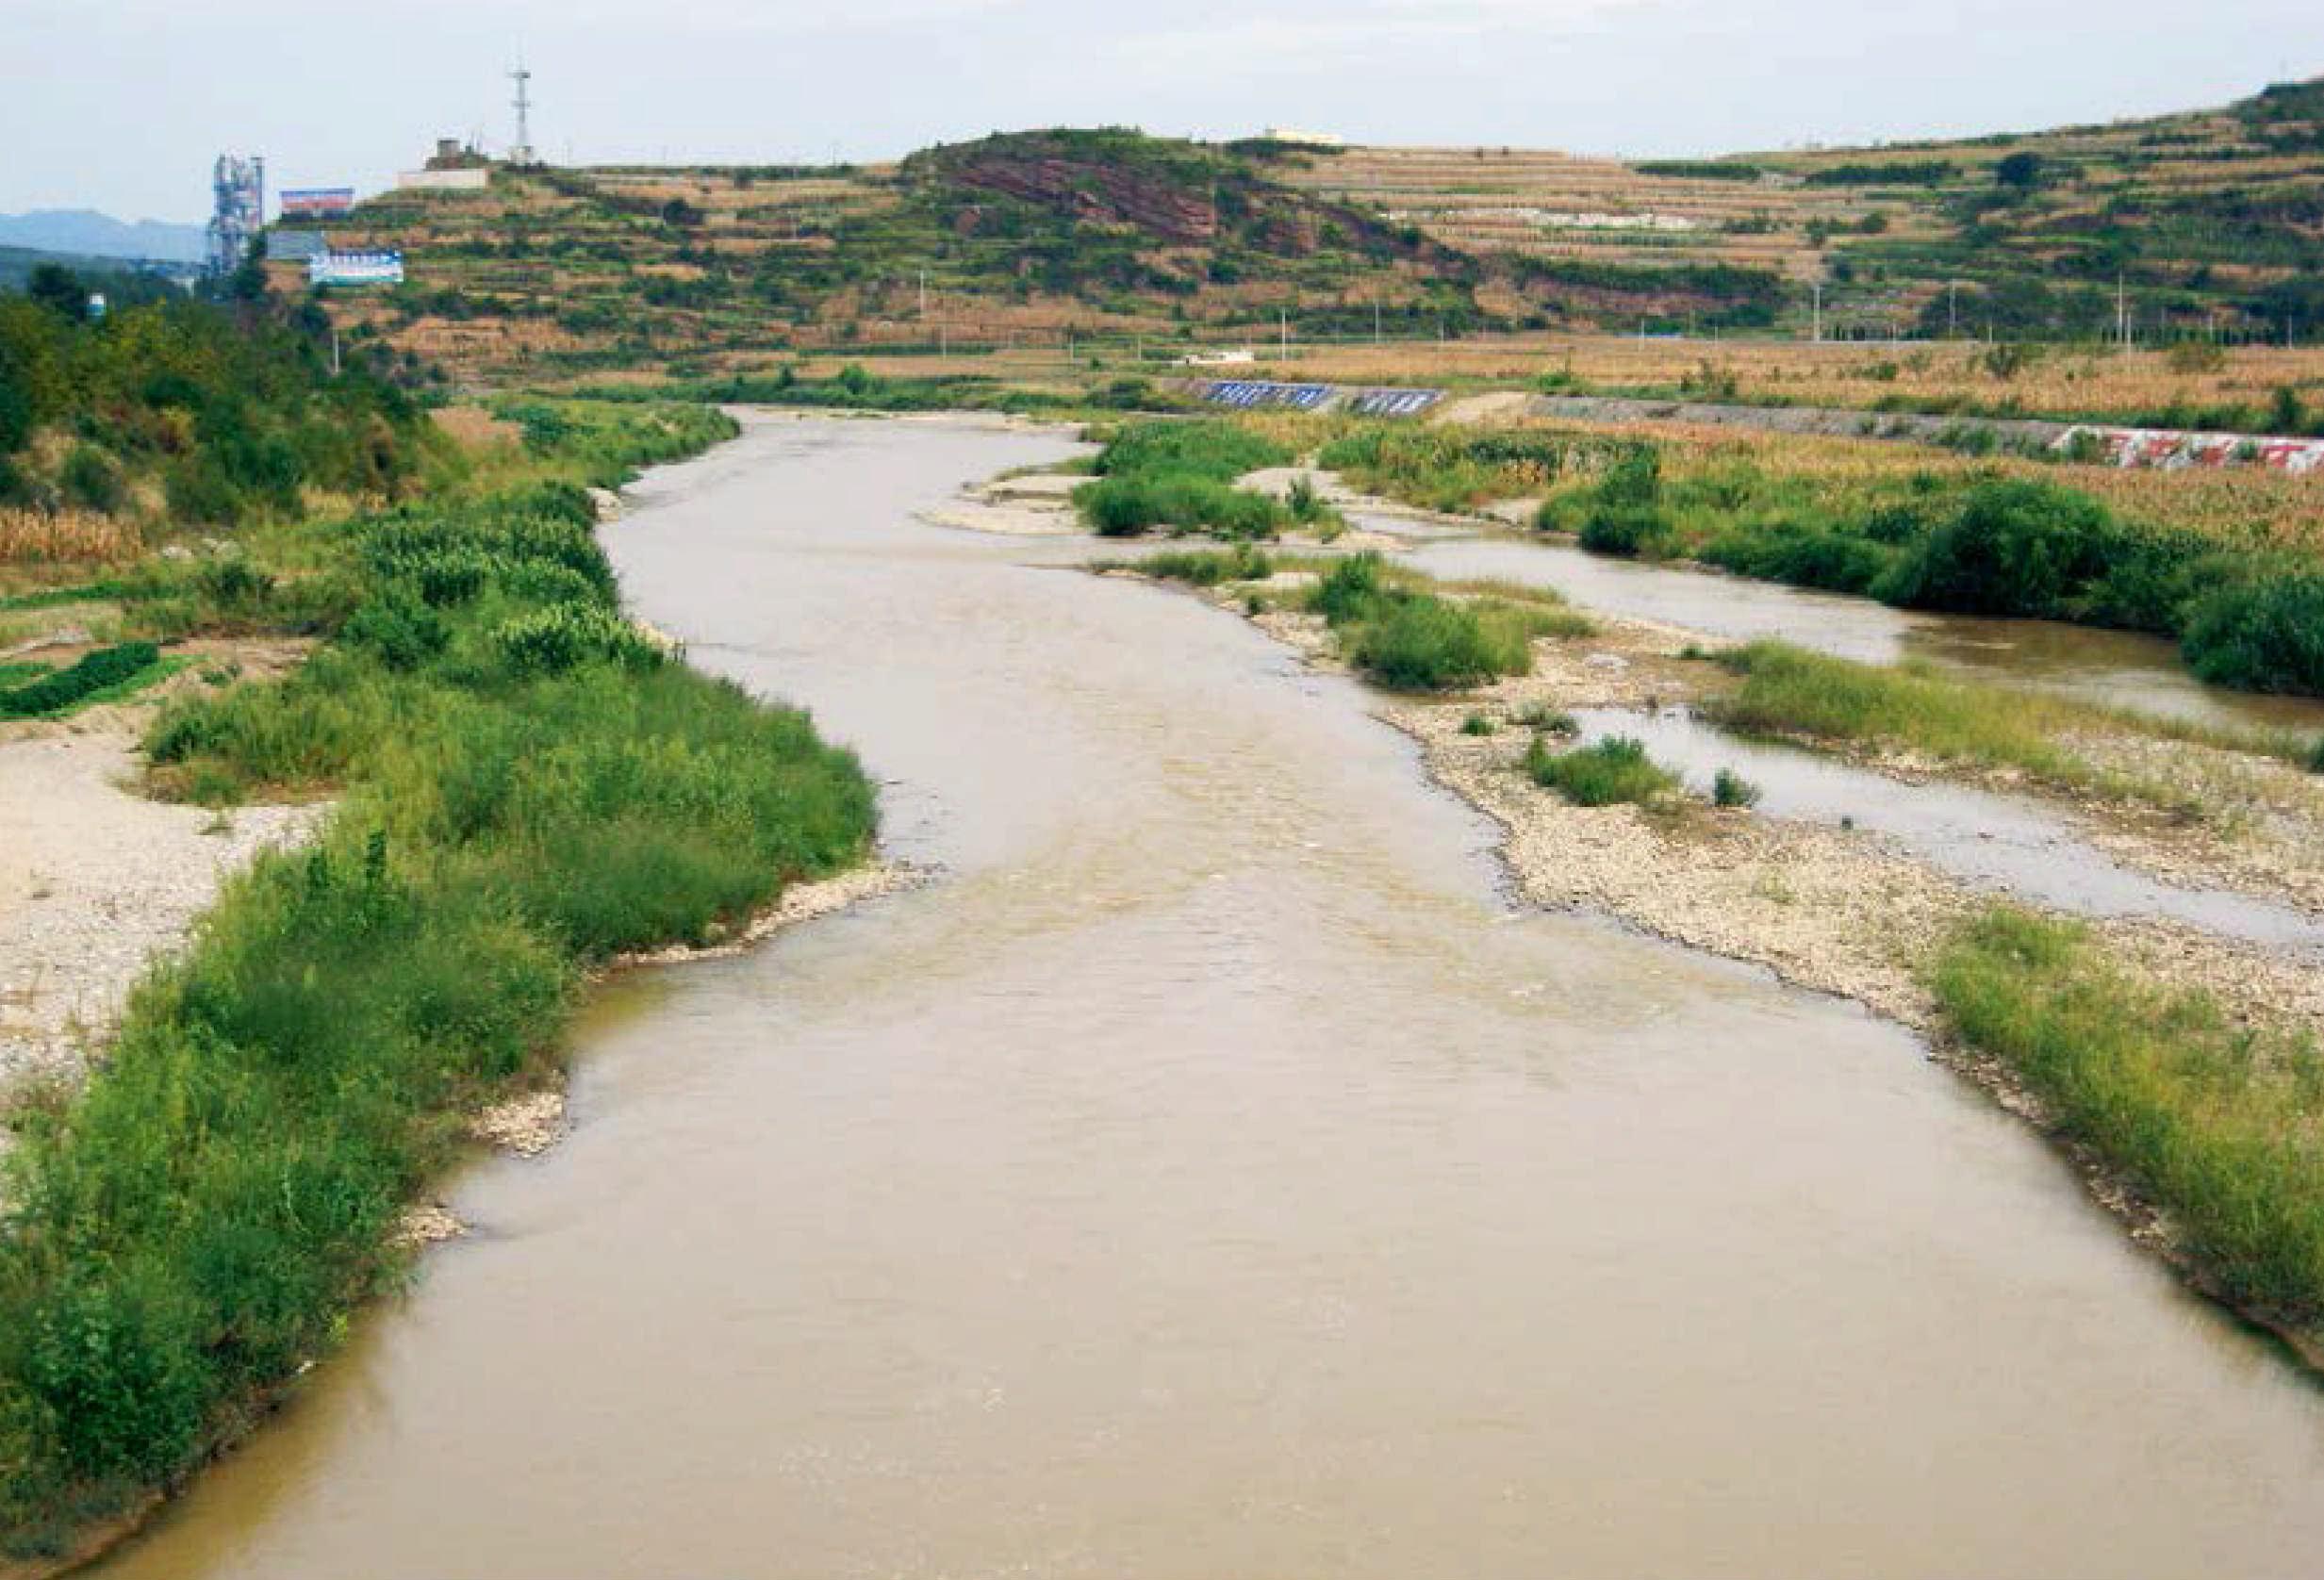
column 2210, row 224
column 2214, row 218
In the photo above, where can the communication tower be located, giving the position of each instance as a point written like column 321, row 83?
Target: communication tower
column 237, row 187
column 522, row 152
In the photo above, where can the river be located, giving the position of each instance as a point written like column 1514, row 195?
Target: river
column 1213, row 1173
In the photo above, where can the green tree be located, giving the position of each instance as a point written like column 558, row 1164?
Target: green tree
column 59, row 290
column 2021, row 172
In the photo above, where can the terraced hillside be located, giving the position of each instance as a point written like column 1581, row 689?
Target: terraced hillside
column 2206, row 222
column 2202, row 224
column 1030, row 238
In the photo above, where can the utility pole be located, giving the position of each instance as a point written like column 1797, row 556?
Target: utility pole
column 1818, row 288
column 1375, row 323
column 923, row 295
column 1953, row 311
column 2121, row 312
column 1285, row 320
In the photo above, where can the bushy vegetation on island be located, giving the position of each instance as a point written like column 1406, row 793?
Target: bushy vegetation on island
column 1181, row 477
column 1398, row 634
column 1611, row 772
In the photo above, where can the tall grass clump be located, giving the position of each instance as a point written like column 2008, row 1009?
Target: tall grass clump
column 1453, row 468
column 527, row 789
column 1211, row 448
column 1614, row 770
column 2220, row 1125
column 1207, row 568
column 1792, row 691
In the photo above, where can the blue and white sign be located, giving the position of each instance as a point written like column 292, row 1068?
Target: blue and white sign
column 355, row 269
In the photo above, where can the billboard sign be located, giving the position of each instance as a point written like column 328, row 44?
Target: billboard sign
column 355, row 269
column 2170, row 449
column 318, row 203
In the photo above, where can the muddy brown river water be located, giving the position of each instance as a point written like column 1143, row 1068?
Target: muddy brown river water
column 1213, row 1175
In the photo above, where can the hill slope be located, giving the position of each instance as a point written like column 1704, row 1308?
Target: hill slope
column 2202, row 216
column 2208, row 223
column 1037, row 236
column 86, row 232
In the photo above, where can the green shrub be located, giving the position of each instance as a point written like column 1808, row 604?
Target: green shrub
column 198, row 492
column 552, row 640
column 1452, row 469
column 398, row 625
column 90, row 479
column 1419, row 643
column 2264, row 634
column 305, row 734
column 113, row 1362
column 1352, row 590
column 1805, row 557
column 1478, row 724
column 99, row 671
column 1629, row 531
column 1634, row 480
column 1616, row 769
column 2013, row 548
column 1731, row 789
column 1180, row 475
column 15, row 408
column 1127, row 506
column 230, row 586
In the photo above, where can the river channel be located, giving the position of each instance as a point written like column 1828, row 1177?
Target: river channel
column 1213, row 1173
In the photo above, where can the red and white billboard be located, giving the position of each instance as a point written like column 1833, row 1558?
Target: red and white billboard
column 319, row 203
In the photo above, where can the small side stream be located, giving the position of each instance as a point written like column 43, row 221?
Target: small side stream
column 2112, row 668
column 1995, row 842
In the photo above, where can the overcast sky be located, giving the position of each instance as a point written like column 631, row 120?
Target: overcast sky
column 120, row 104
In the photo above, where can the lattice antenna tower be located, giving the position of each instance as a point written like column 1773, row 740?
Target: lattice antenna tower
column 522, row 152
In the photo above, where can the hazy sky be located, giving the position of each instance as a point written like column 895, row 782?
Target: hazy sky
column 122, row 104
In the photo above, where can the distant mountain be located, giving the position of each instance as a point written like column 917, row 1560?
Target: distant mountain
column 89, row 233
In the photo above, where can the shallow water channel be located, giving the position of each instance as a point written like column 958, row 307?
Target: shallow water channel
column 1213, row 1175
column 2112, row 669
column 2011, row 844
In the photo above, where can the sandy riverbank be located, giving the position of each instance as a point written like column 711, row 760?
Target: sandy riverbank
column 94, row 879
